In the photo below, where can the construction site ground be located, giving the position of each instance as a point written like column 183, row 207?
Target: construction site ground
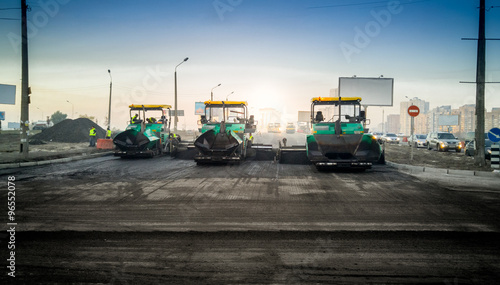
column 168, row 221
column 396, row 153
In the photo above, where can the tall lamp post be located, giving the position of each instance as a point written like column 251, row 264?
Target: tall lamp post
column 110, row 89
column 72, row 109
column 175, row 86
column 212, row 92
column 212, row 97
column 229, row 95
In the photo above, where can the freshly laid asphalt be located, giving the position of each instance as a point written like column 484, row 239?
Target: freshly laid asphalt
column 164, row 220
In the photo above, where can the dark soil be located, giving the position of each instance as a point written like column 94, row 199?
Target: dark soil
column 400, row 153
column 71, row 131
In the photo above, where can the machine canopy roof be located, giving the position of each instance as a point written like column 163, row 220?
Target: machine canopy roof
column 335, row 100
column 225, row 103
column 149, row 107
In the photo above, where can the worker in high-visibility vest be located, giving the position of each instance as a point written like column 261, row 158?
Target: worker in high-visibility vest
column 108, row 134
column 92, row 135
column 134, row 118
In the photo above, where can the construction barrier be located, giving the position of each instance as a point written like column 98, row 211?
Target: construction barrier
column 105, row 144
column 495, row 156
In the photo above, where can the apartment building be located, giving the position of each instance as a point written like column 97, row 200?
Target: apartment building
column 420, row 122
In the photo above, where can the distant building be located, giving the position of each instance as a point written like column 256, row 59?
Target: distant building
column 393, row 125
column 454, row 129
column 467, row 118
column 433, row 118
column 269, row 115
column 492, row 119
column 445, row 119
column 420, row 122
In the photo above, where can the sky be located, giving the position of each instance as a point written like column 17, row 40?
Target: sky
column 273, row 54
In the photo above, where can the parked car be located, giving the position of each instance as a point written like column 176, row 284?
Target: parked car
column 302, row 128
column 378, row 136
column 40, row 125
column 417, row 140
column 290, row 128
column 390, row 138
column 442, row 141
column 469, row 148
column 274, row 128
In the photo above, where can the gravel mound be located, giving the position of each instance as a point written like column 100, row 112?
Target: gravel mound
column 36, row 142
column 71, row 131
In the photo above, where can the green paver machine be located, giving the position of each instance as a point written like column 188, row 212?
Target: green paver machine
column 226, row 132
column 338, row 138
column 148, row 133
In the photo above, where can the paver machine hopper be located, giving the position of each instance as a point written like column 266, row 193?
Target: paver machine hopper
column 148, row 133
column 338, row 138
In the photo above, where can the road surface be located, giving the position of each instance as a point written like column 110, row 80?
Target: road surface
column 169, row 221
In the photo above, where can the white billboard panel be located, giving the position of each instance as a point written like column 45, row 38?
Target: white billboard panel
column 13, row 125
column 373, row 91
column 448, row 120
column 7, row 94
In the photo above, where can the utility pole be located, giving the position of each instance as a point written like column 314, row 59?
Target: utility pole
column 24, row 146
column 479, row 158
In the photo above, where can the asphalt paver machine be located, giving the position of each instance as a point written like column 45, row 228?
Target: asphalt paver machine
column 148, row 133
column 226, row 132
column 337, row 138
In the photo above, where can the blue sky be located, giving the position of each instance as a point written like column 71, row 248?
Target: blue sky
column 273, row 53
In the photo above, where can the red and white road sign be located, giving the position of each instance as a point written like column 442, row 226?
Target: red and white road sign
column 413, row 111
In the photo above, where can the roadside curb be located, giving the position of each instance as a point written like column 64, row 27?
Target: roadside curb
column 59, row 160
column 419, row 169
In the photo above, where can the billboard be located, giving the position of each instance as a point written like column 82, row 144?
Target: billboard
column 7, row 94
column 13, row 125
column 199, row 108
column 448, row 120
column 373, row 91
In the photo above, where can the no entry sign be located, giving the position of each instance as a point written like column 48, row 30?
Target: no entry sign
column 413, row 111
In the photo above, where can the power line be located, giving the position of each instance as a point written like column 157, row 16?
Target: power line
column 363, row 4
column 346, row 5
column 9, row 19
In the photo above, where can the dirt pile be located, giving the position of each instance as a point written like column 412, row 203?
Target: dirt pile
column 71, row 131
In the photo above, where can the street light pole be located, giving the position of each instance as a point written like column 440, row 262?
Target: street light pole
column 212, row 97
column 110, row 89
column 175, row 86
column 229, row 95
column 212, row 92
column 72, row 109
